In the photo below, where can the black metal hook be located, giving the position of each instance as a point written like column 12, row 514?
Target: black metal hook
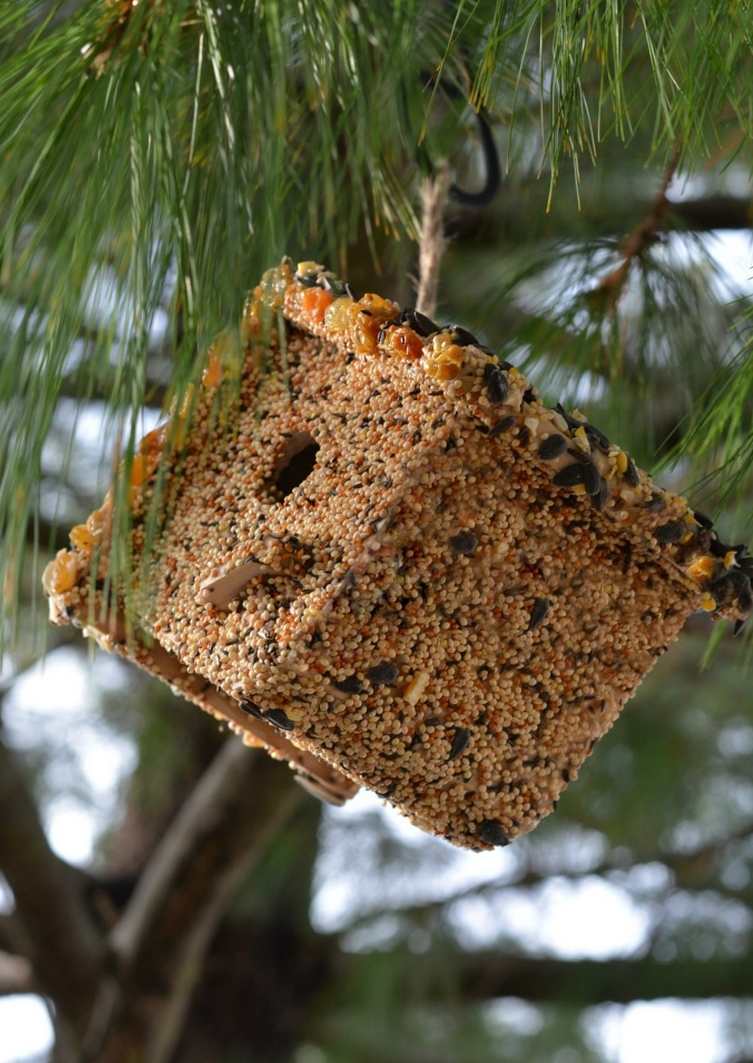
column 493, row 170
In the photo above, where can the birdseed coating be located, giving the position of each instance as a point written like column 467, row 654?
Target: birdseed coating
column 394, row 567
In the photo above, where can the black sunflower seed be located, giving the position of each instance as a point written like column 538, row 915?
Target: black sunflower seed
column 279, row 719
column 569, row 476
column 462, row 336
column 745, row 600
column 738, row 580
column 599, row 500
column 703, row 520
column 552, row 447
column 716, row 548
column 504, row 424
column 572, row 422
column 464, row 542
column 460, row 740
column 656, row 503
column 381, row 331
column 702, row 540
column 490, row 831
column 350, row 685
column 252, row 709
column 419, row 322
column 670, row 532
column 495, row 382
column 722, row 589
column 538, row 613
column 631, row 473
column 383, row 674
column 591, row 478
column 597, row 437
column 524, row 435
column 333, row 284
column 308, row 280
column 529, row 395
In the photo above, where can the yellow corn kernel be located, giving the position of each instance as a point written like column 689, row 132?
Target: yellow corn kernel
column 621, row 461
column 340, row 315
column 308, row 267
column 273, row 284
column 708, row 603
column 448, row 371
column 153, row 442
column 445, row 362
column 212, row 376
column 98, row 521
column 415, row 688
column 730, row 559
column 702, row 568
column 138, row 470
column 377, row 306
column 251, row 319
column 516, row 377
column 60, row 575
column 81, row 538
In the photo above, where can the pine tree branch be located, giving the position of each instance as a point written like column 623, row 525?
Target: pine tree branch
column 641, row 237
column 488, row 974
column 162, row 937
column 508, row 221
column 708, row 213
column 66, row 952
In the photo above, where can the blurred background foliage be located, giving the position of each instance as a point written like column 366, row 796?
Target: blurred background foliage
column 154, row 158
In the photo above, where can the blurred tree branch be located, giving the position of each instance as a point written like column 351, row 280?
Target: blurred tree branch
column 488, row 974
column 693, row 869
column 66, row 951
column 507, row 221
column 10, row 934
column 163, row 935
column 15, row 975
column 638, row 239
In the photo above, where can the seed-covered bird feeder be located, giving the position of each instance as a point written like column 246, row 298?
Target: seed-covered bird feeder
column 397, row 569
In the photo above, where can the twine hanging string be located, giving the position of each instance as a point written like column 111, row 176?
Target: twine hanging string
column 435, row 192
column 432, row 240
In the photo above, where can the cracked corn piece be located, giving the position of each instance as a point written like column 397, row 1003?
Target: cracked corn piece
column 395, row 568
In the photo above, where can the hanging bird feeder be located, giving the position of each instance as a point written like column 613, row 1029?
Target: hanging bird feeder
column 397, row 569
